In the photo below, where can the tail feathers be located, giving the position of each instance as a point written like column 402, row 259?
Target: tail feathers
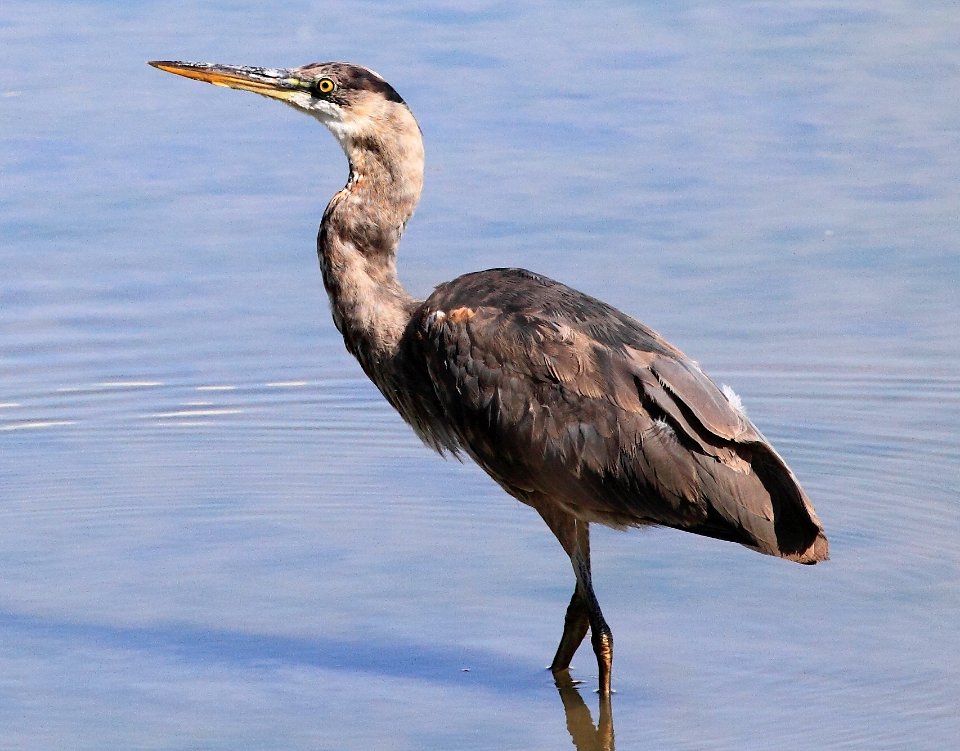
column 799, row 533
column 763, row 508
column 818, row 551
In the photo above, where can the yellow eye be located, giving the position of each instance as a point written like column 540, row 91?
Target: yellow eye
column 324, row 86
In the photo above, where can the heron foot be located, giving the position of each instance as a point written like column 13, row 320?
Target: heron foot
column 602, row 640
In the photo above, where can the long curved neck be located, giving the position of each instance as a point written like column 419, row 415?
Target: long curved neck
column 359, row 234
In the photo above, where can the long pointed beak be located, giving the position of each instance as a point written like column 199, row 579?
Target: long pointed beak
column 272, row 82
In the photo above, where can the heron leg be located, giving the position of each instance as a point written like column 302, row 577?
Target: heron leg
column 583, row 612
column 601, row 637
column 576, row 623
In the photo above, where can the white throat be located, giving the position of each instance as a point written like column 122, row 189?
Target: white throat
column 331, row 116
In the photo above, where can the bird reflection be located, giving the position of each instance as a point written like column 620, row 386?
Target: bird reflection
column 585, row 735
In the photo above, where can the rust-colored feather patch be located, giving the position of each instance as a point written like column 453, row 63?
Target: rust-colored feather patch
column 461, row 315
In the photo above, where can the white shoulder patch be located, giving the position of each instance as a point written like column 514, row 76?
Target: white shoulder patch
column 433, row 322
column 734, row 400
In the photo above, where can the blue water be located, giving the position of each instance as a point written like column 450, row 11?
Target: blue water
column 213, row 532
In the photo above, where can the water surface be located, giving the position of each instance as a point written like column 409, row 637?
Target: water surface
column 214, row 533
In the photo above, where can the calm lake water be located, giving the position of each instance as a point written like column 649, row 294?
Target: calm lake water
column 213, row 532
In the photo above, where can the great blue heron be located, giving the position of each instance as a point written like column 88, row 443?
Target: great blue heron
column 571, row 406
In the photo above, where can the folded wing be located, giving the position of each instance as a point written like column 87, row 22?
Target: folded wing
column 559, row 395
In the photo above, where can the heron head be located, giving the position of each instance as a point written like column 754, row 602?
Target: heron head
column 350, row 100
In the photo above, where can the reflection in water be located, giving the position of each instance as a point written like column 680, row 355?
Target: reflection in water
column 585, row 735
